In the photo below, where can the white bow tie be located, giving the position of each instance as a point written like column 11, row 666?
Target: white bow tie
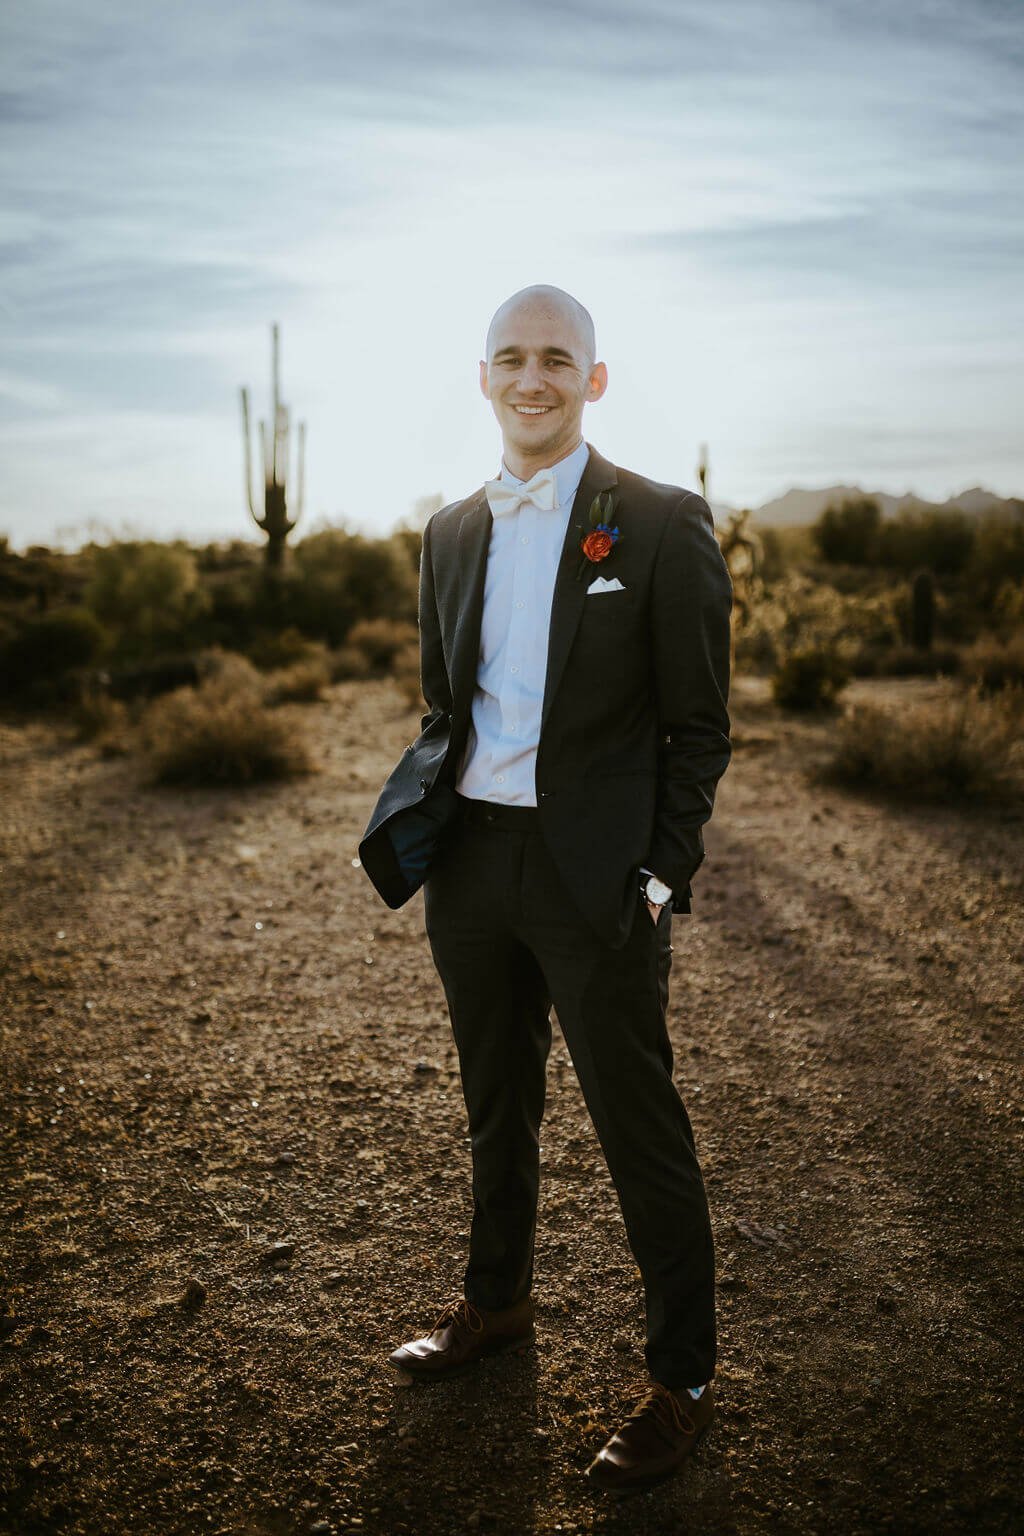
column 542, row 491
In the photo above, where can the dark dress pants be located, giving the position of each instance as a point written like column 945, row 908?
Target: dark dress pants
column 508, row 941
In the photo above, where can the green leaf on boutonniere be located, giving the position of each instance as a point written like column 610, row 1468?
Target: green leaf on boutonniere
column 602, row 507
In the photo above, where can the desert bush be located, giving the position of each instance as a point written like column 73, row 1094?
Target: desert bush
column 301, row 683
column 148, row 679
column 906, row 661
column 147, row 591
column 998, row 555
column 341, row 578
column 965, row 747
column 405, row 669
column 810, row 679
column 100, row 718
column 274, row 649
column 994, row 664
column 798, row 613
column 45, row 649
column 222, row 732
column 939, row 539
column 847, row 531
column 380, row 641
column 348, row 664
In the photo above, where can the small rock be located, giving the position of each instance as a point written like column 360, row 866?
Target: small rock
column 320, row 1528
column 277, row 1252
column 333, row 1280
column 425, row 1066
column 193, row 1295
column 733, row 1283
column 285, row 1159
column 622, row 1345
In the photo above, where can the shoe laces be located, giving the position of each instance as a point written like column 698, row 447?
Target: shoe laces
column 459, row 1311
column 662, row 1404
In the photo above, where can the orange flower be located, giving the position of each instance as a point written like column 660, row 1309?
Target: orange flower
column 598, row 544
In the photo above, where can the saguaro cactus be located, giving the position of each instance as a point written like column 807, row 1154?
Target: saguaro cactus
column 702, row 470
column 922, row 610
column 275, row 450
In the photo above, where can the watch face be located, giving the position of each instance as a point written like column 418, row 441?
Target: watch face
column 657, row 891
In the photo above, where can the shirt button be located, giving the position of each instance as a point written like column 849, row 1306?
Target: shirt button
column 513, row 669
column 524, row 540
column 499, row 778
column 520, row 605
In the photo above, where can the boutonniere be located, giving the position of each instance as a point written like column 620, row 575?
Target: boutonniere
column 598, row 544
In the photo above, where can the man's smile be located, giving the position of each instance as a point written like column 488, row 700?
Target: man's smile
column 532, row 410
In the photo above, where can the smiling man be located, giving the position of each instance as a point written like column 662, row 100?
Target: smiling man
column 574, row 633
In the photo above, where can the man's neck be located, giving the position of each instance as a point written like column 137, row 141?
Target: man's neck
column 525, row 468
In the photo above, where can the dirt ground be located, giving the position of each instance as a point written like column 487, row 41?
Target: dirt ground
column 216, row 1039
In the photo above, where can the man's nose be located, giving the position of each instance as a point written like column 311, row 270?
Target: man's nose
column 531, row 379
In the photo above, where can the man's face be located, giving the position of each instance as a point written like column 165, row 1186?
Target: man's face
column 538, row 379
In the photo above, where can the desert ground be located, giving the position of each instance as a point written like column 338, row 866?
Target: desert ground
column 235, row 1171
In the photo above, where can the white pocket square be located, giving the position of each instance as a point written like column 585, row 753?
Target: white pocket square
column 602, row 584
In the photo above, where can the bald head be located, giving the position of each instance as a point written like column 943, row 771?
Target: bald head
column 543, row 299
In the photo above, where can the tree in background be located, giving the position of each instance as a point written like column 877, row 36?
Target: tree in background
column 847, row 532
column 144, row 591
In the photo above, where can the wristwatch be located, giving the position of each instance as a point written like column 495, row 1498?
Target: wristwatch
column 656, row 891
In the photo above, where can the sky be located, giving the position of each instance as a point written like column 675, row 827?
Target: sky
column 799, row 228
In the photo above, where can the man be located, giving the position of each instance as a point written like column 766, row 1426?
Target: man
column 574, row 632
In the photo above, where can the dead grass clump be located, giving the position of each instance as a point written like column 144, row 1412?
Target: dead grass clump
column 222, row 732
column 965, row 747
column 380, row 641
column 102, row 720
column 995, row 663
column 405, row 669
column 301, row 683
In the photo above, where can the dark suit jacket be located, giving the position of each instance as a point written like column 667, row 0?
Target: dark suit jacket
column 634, row 727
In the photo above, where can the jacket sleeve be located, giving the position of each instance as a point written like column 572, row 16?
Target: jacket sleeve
column 434, row 682
column 691, row 600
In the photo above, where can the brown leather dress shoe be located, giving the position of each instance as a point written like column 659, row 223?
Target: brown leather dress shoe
column 464, row 1334
column 654, row 1441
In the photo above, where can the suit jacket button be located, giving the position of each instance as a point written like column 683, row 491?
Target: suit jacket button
column 424, row 786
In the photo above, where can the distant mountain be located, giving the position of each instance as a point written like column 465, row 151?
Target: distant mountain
column 799, row 507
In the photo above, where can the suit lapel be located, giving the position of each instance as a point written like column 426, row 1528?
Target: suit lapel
column 472, row 543
column 570, row 590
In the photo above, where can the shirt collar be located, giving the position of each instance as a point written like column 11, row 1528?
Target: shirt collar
column 568, row 473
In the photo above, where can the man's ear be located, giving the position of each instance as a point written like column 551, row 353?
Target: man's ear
column 485, row 388
column 598, row 381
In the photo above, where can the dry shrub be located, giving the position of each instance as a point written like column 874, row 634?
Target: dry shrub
column 810, row 679
column 302, row 683
column 349, row 664
column 102, row 720
column 964, row 747
column 221, row 732
column 907, row 661
column 405, row 669
column 380, row 641
column 995, row 663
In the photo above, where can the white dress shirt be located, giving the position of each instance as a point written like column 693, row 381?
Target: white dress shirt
column 500, row 757
column 501, row 749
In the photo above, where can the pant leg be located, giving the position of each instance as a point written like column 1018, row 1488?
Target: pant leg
column 500, row 1015
column 611, row 1009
